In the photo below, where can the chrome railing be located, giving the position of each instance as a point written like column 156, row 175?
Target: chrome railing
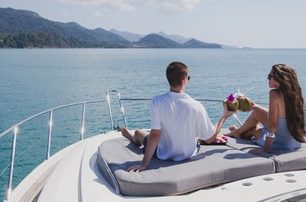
column 14, row 131
column 108, row 98
column 109, row 94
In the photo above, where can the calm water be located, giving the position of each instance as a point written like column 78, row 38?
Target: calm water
column 35, row 80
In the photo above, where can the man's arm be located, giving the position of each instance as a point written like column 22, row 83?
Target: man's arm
column 152, row 143
column 220, row 123
column 217, row 130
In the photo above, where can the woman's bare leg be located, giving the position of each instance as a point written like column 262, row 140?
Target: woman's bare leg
column 246, row 135
column 250, row 126
column 256, row 132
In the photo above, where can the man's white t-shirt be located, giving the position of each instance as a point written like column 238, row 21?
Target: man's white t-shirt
column 181, row 120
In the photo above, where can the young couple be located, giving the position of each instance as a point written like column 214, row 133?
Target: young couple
column 178, row 122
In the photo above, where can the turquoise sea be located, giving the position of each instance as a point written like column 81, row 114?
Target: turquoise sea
column 33, row 80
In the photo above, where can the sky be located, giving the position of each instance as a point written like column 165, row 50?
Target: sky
column 242, row 23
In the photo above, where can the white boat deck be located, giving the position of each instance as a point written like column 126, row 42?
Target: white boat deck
column 76, row 177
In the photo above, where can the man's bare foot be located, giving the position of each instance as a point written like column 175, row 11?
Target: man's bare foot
column 126, row 133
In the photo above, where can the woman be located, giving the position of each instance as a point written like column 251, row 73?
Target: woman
column 284, row 121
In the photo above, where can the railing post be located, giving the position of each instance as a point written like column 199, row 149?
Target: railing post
column 108, row 98
column 237, row 119
column 122, row 110
column 83, row 122
column 10, row 181
column 109, row 109
column 50, row 124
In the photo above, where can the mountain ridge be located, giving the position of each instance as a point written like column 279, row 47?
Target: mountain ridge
column 27, row 29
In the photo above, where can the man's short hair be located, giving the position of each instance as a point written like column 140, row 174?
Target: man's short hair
column 175, row 72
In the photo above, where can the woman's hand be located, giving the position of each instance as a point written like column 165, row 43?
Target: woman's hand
column 268, row 144
column 253, row 104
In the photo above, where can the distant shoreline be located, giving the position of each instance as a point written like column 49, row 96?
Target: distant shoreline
column 29, row 48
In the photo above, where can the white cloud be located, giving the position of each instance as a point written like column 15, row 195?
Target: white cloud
column 130, row 5
column 175, row 5
column 98, row 13
column 107, row 4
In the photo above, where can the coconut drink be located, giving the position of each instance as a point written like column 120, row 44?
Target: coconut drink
column 245, row 103
column 232, row 103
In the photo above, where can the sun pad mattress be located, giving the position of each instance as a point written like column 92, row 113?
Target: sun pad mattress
column 212, row 166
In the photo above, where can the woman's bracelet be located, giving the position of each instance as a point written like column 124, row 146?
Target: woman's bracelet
column 270, row 135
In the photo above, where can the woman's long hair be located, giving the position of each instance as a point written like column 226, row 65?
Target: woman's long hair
column 294, row 102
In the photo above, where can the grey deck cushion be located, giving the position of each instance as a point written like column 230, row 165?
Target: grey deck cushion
column 247, row 146
column 289, row 161
column 284, row 160
column 241, row 144
column 212, row 166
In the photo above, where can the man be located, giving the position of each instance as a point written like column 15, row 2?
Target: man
column 177, row 122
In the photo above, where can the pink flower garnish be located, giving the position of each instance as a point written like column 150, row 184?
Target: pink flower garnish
column 231, row 98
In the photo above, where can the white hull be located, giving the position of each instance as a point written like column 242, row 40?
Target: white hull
column 73, row 175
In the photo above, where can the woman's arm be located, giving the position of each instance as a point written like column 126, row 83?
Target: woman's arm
column 273, row 115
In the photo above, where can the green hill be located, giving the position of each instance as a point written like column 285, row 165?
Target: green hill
column 19, row 25
column 193, row 43
column 26, row 29
column 156, row 41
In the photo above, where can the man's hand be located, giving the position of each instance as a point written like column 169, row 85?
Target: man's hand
column 137, row 168
column 227, row 113
column 152, row 143
column 220, row 138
